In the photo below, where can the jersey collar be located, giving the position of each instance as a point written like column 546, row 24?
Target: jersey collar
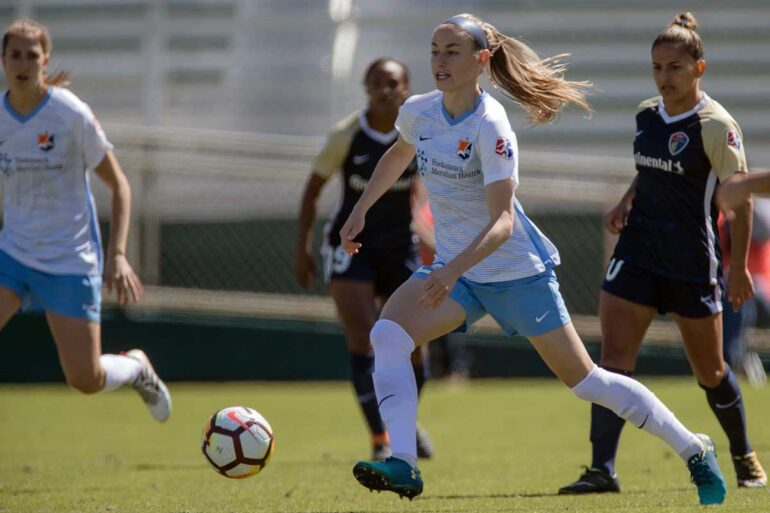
column 679, row 117
column 380, row 137
column 23, row 119
column 462, row 117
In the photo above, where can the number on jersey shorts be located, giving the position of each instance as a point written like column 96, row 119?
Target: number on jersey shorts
column 633, row 283
column 387, row 268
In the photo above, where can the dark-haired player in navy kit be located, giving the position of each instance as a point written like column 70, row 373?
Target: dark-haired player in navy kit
column 360, row 284
column 668, row 258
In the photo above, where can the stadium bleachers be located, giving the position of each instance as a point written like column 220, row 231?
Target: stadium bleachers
column 266, row 66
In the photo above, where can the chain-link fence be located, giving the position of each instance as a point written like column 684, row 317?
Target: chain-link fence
column 217, row 210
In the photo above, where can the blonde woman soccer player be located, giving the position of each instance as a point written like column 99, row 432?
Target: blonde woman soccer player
column 490, row 258
column 50, row 250
column 668, row 258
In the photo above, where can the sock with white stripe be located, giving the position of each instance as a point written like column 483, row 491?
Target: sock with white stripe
column 632, row 401
column 361, row 367
column 726, row 402
column 119, row 370
column 396, row 388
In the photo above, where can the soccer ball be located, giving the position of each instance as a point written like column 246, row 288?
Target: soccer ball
column 238, row 442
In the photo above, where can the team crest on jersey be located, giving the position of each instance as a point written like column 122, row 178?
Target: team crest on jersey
column 734, row 140
column 464, row 147
column 45, row 141
column 504, row 148
column 677, row 142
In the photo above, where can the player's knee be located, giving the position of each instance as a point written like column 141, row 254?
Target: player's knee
column 711, row 378
column 85, row 382
column 389, row 340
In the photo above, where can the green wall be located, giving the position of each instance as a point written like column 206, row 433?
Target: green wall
column 208, row 348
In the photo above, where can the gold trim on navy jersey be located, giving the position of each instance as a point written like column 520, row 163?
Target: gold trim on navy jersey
column 671, row 229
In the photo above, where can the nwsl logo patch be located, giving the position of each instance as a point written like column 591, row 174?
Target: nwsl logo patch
column 677, row 142
column 503, row 148
column 734, row 140
column 464, row 148
column 45, row 141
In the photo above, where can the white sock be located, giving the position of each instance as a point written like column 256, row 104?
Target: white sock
column 632, row 401
column 396, row 388
column 119, row 370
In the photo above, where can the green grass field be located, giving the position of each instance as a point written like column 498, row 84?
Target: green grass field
column 501, row 446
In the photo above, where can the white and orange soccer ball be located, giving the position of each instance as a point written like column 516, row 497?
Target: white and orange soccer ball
column 238, row 442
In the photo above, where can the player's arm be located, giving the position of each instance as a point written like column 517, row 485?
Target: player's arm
column 304, row 269
column 739, row 284
column 118, row 272
column 723, row 144
column 421, row 224
column 388, row 170
column 739, row 187
column 615, row 219
column 499, row 199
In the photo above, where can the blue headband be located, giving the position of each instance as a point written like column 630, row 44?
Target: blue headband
column 472, row 28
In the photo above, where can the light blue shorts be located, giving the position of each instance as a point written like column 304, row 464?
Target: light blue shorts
column 528, row 306
column 68, row 295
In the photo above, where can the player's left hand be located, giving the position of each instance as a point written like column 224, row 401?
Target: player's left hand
column 120, row 276
column 437, row 287
column 740, row 287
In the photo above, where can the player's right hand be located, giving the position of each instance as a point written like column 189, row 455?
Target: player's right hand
column 615, row 219
column 304, row 268
column 350, row 230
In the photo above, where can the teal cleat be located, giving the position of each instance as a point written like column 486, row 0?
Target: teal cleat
column 393, row 475
column 705, row 473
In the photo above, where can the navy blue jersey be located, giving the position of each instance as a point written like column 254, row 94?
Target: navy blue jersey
column 354, row 148
column 671, row 230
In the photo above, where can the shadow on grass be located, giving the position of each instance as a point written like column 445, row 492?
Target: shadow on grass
column 514, row 495
column 164, row 466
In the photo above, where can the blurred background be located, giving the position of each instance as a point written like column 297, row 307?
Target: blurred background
column 216, row 108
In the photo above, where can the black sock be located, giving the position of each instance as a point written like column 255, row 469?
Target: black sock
column 605, row 433
column 361, row 368
column 420, row 376
column 727, row 404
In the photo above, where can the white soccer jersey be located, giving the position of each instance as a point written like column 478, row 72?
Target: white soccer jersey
column 49, row 216
column 457, row 157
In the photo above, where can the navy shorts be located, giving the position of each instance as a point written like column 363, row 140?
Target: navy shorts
column 631, row 282
column 387, row 268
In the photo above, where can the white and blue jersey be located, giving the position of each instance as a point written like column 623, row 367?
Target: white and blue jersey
column 457, row 158
column 49, row 216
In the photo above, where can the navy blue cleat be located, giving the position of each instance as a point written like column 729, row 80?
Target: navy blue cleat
column 392, row 475
column 705, row 473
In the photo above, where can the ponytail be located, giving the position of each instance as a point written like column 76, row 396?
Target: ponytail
column 536, row 84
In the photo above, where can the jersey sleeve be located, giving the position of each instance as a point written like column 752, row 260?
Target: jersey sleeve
column 406, row 116
column 498, row 150
column 94, row 141
column 335, row 149
column 723, row 144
